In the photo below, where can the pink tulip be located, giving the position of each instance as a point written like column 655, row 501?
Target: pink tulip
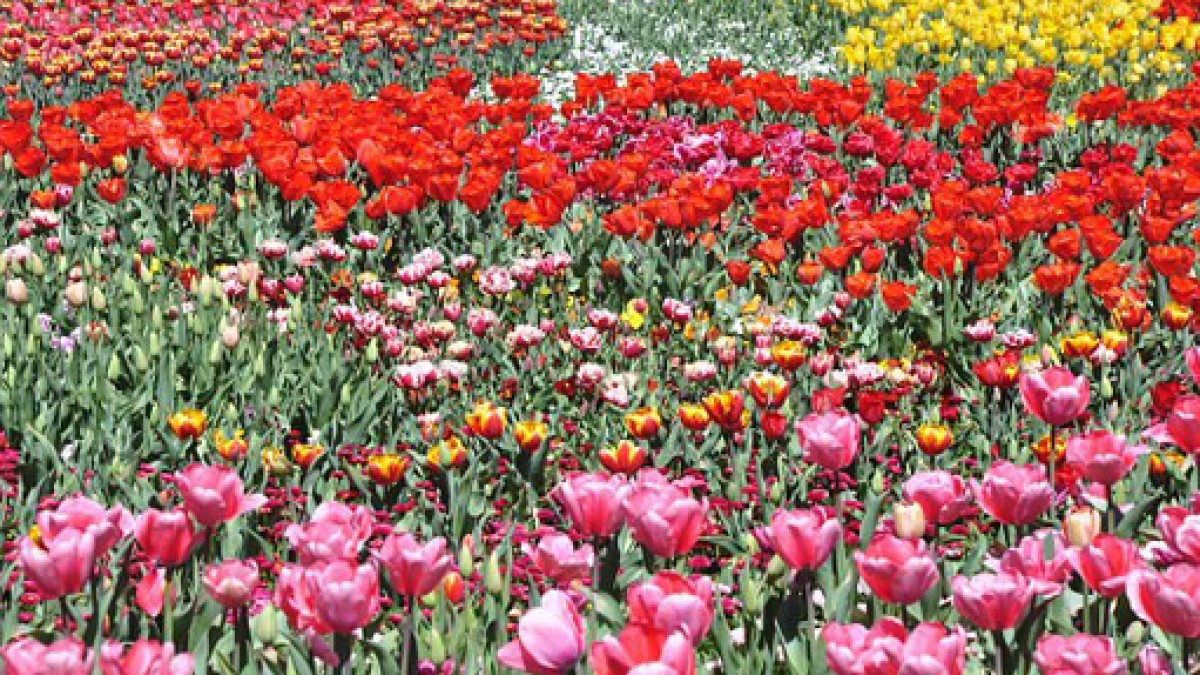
column 1056, row 395
column 991, row 601
column 1105, row 563
column 1029, row 559
column 144, row 657
column 414, row 569
column 804, row 538
column 898, row 571
column 829, row 440
column 1102, row 456
column 1192, row 358
column 80, row 513
column 593, row 502
column 60, row 567
column 889, row 649
column 640, row 651
column 150, row 593
column 1170, row 600
column 232, row 583
column 1182, row 426
column 168, row 537
column 343, row 596
column 1077, row 655
column 292, row 597
column 1014, row 494
column 1181, row 536
column 214, row 494
column 550, row 638
column 334, row 532
column 1151, row 661
column 557, row 558
column 664, row 517
column 27, row 656
column 942, row 495
column 671, row 603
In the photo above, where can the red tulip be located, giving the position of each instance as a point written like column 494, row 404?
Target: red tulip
column 214, row 494
column 897, row 570
column 1094, row 654
column 991, row 601
column 639, row 650
column 1169, row 600
column 414, row 569
column 1014, row 494
column 593, row 502
column 550, row 638
column 804, row 539
column 1106, row 563
column 890, row 649
column 1056, row 395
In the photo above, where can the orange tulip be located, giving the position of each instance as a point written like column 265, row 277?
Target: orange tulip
column 231, row 449
column 693, row 416
column 788, row 355
column 727, row 408
column 934, row 439
column 449, row 453
column 625, row 458
column 304, row 454
column 487, row 421
column 768, row 389
column 643, row 423
column 386, row 468
column 530, row 434
column 188, row 423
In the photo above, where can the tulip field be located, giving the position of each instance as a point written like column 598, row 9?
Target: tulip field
column 440, row 337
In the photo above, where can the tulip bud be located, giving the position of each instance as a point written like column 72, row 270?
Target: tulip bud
column 136, row 304
column 1106, row 387
column 120, row 163
column 493, row 580
column 909, row 520
column 16, row 291
column 35, row 266
column 214, row 352
column 1081, row 525
column 114, row 368
column 139, row 360
column 10, row 346
column 260, row 365
column 466, row 560
column 99, row 302
column 752, row 595
column 437, row 648
column 266, row 625
column 76, row 293
column 372, row 354
column 776, row 569
column 1136, row 632
column 3, row 264
column 230, row 335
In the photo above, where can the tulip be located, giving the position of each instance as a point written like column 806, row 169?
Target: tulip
column 934, row 439
column 1046, row 573
column 1192, row 358
column 232, row 583
column 768, row 389
column 231, row 449
column 447, row 453
column 889, row 648
column 61, row 566
column 1181, row 536
column 1152, row 661
column 305, row 454
column 386, row 468
column 643, row 423
column 168, row 537
column 908, row 519
column 1182, row 426
column 663, row 517
column 1102, row 456
column 107, row 527
column 804, row 538
column 414, row 569
column 334, row 532
column 343, row 596
column 991, row 601
column 76, row 293
column 1081, row 525
column 144, row 657
column 530, row 434
column 215, row 494
column 830, row 439
column 550, row 638
column 639, row 650
column 671, row 603
column 1105, row 563
column 487, row 421
column 898, row 571
column 1092, row 654
column 593, row 502
column 942, row 495
column 693, row 416
column 557, row 558
column 188, row 423
column 1056, row 395
column 727, row 409
column 16, row 291
column 27, row 656
column 625, row 458
column 1169, row 600
column 1014, row 494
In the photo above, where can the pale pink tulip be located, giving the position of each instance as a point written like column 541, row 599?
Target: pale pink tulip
column 942, row 495
column 1102, row 456
column 60, row 567
column 144, row 657
column 829, row 440
column 991, row 601
column 27, row 656
column 215, row 494
column 887, row 648
column 664, row 517
column 556, row 556
column 232, row 583
column 1077, row 655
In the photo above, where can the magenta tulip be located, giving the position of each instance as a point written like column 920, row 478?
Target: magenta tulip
column 27, row 656
column 1077, row 655
column 1182, row 426
column 1169, row 600
column 804, row 538
column 1105, row 564
column 334, row 532
column 60, row 567
column 942, row 495
column 991, row 601
column 829, row 440
column 888, row 648
column 1192, row 358
column 593, row 502
column 898, row 571
column 80, row 513
column 1046, row 574
column 1014, row 494
column 550, row 638
column 414, row 569
column 215, row 494
column 1055, row 395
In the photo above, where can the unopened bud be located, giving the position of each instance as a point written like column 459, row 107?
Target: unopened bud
column 908, row 519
